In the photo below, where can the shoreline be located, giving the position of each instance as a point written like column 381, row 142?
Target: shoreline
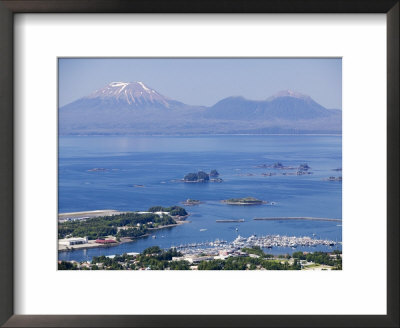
column 124, row 240
column 90, row 214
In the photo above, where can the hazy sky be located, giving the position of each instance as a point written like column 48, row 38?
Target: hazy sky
column 206, row 81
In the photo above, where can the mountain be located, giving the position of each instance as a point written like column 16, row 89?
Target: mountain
column 134, row 108
column 126, row 96
column 123, row 108
column 285, row 105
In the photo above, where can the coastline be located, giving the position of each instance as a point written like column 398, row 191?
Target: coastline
column 93, row 244
column 90, row 214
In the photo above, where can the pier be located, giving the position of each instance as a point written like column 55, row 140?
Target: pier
column 297, row 218
column 227, row 221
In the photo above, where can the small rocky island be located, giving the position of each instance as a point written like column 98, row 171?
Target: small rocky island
column 304, row 167
column 279, row 166
column 98, row 169
column 201, row 177
column 334, row 178
column 191, row 202
column 244, row 201
column 276, row 166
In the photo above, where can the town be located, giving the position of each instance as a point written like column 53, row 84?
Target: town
column 240, row 254
column 254, row 258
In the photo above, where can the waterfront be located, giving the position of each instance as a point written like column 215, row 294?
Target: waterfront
column 154, row 163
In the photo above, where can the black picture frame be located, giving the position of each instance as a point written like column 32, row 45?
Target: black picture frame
column 10, row 7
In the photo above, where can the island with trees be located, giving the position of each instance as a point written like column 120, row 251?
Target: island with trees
column 202, row 177
column 244, row 201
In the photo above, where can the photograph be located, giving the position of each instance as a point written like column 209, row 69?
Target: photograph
column 200, row 163
column 201, row 144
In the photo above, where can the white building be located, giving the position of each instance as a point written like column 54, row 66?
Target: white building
column 73, row 241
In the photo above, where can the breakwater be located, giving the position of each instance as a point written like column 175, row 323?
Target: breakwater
column 297, row 218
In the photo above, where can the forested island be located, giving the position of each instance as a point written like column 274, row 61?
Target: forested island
column 244, row 201
column 129, row 224
column 201, row 177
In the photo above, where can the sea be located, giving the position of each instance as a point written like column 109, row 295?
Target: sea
column 138, row 172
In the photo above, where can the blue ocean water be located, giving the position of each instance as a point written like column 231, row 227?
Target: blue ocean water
column 156, row 162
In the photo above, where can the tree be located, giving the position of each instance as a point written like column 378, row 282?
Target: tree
column 214, row 173
column 64, row 265
column 191, row 177
column 152, row 250
column 156, row 209
column 203, row 176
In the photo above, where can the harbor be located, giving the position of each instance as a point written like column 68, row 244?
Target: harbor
column 265, row 242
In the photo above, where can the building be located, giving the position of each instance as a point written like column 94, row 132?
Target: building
column 105, row 241
column 73, row 241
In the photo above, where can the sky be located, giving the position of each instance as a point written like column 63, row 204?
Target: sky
column 206, row 81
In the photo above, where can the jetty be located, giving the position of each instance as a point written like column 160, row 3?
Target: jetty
column 231, row 220
column 297, row 218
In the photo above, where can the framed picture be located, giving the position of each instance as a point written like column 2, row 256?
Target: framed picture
column 188, row 166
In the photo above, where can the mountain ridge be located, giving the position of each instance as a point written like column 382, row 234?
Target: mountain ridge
column 135, row 108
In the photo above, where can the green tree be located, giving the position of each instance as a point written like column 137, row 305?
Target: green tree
column 64, row 265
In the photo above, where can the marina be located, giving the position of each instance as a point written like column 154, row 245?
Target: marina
column 265, row 242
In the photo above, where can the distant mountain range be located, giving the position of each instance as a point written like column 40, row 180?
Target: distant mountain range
column 134, row 108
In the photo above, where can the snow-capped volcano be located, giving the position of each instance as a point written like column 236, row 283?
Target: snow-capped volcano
column 124, row 96
column 130, row 92
column 134, row 94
